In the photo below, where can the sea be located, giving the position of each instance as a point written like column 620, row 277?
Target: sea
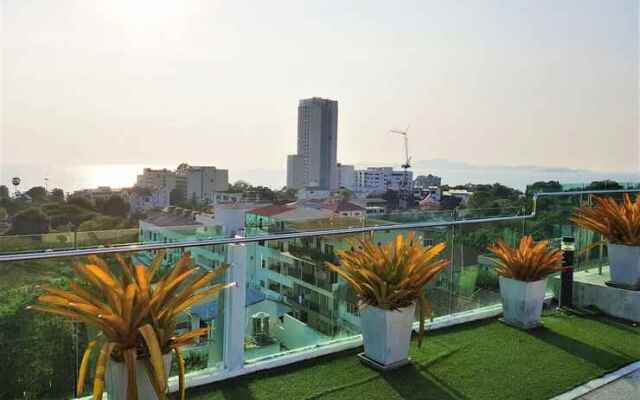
column 75, row 177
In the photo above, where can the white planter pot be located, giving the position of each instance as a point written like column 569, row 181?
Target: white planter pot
column 522, row 302
column 116, row 379
column 624, row 265
column 387, row 334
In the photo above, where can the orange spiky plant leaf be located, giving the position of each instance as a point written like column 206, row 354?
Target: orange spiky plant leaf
column 528, row 261
column 135, row 312
column 392, row 276
column 618, row 222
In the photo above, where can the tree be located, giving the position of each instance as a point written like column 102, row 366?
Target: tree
column 604, row 185
column 57, row 194
column 345, row 194
column 392, row 198
column 541, row 186
column 30, row 221
column 81, row 202
column 116, row 206
column 4, row 192
column 176, row 197
column 240, row 186
column 100, row 223
column 3, row 214
column 37, row 193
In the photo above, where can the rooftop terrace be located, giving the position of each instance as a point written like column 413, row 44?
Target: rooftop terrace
column 483, row 360
column 313, row 321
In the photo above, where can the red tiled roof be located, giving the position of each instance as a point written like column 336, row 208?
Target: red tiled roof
column 270, row 211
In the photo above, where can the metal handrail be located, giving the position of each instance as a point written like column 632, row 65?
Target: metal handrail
column 295, row 235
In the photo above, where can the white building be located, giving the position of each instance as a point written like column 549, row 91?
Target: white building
column 309, row 193
column 101, row 193
column 229, row 216
column 461, row 194
column 202, row 182
column 159, row 178
column 144, row 198
column 346, row 177
column 381, row 179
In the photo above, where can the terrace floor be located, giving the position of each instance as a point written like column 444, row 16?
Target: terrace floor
column 481, row 360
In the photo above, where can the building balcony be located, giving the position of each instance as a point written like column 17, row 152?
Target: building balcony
column 467, row 352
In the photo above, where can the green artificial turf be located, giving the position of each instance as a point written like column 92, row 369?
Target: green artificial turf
column 482, row 360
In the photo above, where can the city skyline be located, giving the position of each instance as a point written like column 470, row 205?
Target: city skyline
column 543, row 86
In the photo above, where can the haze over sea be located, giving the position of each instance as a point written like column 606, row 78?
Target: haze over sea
column 74, row 177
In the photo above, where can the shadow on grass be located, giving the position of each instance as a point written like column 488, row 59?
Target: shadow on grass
column 238, row 387
column 591, row 354
column 416, row 382
column 617, row 323
column 237, row 392
column 411, row 383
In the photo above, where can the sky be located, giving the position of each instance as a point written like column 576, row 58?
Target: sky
column 548, row 83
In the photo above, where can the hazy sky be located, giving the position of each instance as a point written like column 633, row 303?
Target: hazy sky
column 549, row 83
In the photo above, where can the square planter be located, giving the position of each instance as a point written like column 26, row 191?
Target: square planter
column 624, row 266
column 522, row 302
column 387, row 334
column 116, row 379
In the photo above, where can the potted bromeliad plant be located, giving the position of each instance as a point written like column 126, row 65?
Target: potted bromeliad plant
column 135, row 311
column 523, row 272
column 389, row 281
column 619, row 223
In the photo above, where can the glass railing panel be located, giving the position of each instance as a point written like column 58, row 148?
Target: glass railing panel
column 42, row 353
column 207, row 351
column 39, row 352
column 475, row 282
column 553, row 223
column 294, row 302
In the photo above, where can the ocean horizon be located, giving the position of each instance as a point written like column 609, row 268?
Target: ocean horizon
column 82, row 176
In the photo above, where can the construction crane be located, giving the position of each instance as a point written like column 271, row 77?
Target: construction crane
column 407, row 163
column 404, row 190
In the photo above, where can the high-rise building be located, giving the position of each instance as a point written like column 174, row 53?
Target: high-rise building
column 317, row 146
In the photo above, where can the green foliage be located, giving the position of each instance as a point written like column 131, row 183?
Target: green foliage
column 62, row 215
column 36, row 349
column 100, row 223
column 494, row 196
column 4, row 192
column 57, row 194
column 81, row 202
column 176, row 197
column 37, row 193
column 541, row 186
column 116, row 206
column 487, row 279
column 30, row 221
column 604, row 185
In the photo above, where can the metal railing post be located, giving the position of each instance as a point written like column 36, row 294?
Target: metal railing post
column 235, row 308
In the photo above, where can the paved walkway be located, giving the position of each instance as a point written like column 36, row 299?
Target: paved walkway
column 627, row 387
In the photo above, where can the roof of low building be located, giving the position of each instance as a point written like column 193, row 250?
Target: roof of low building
column 163, row 218
column 344, row 206
column 272, row 210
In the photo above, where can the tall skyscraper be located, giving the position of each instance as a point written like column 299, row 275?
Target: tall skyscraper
column 315, row 164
